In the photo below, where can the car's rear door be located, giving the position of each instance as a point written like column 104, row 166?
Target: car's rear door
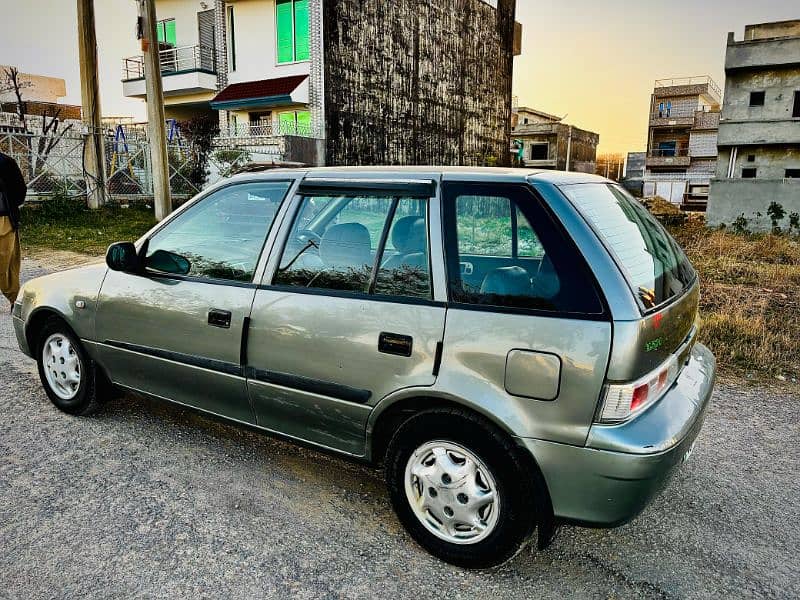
column 179, row 336
column 525, row 321
column 347, row 313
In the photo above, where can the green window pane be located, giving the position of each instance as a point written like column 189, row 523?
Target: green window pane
column 303, row 121
column 301, row 30
column 162, row 37
column 288, row 122
column 172, row 37
column 284, row 21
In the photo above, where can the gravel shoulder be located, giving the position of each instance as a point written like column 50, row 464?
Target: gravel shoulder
column 152, row 500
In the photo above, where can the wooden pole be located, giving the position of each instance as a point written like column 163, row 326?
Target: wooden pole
column 94, row 155
column 156, row 120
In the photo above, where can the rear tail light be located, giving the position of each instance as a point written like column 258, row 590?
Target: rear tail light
column 622, row 401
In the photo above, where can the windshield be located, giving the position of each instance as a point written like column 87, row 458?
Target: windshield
column 652, row 262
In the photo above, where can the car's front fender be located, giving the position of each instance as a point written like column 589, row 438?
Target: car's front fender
column 71, row 295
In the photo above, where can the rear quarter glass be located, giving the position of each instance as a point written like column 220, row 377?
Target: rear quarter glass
column 651, row 261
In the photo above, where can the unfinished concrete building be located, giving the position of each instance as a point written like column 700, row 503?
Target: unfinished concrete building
column 759, row 135
column 545, row 142
column 682, row 140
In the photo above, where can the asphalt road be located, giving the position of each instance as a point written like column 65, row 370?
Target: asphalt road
column 149, row 500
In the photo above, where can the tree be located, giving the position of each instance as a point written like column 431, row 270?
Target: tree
column 11, row 80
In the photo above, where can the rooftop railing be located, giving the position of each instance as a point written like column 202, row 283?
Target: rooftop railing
column 689, row 81
column 173, row 60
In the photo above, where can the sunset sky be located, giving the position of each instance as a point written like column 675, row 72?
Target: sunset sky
column 592, row 61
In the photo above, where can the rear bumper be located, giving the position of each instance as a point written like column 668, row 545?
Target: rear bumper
column 622, row 467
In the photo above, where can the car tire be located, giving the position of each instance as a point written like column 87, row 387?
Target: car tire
column 440, row 466
column 70, row 378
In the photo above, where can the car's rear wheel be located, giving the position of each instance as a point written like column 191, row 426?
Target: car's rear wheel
column 68, row 375
column 459, row 487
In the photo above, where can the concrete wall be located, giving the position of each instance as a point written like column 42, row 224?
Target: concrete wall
column 779, row 85
column 762, row 53
column 37, row 88
column 770, row 30
column 731, row 198
column 256, row 44
column 418, row 81
column 771, row 162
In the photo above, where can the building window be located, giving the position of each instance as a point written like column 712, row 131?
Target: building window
column 757, row 98
column 292, row 24
column 166, row 32
column 796, row 111
column 540, row 151
column 751, row 158
column 749, row 173
column 296, row 122
column 792, row 173
column 231, row 40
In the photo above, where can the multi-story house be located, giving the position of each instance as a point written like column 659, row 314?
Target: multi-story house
column 682, row 140
column 406, row 82
column 549, row 143
column 759, row 134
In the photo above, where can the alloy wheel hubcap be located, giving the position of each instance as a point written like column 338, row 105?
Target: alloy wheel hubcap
column 452, row 493
column 62, row 366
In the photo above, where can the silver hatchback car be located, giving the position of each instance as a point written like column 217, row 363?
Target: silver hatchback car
column 517, row 348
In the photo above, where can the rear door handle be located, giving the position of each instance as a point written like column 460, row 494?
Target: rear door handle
column 394, row 343
column 219, row 318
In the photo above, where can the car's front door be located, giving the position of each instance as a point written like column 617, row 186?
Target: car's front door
column 179, row 336
column 348, row 313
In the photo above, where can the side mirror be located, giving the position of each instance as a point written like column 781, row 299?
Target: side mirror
column 168, row 262
column 123, row 256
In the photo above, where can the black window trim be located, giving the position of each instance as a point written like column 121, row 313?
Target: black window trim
column 447, row 209
column 345, row 188
column 193, row 203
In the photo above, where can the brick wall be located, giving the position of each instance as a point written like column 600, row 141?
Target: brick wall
column 49, row 109
column 418, row 81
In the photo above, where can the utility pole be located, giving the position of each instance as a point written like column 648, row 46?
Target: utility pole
column 94, row 155
column 569, row 148
column 156, row 120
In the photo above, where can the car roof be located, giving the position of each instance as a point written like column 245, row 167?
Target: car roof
column 477, row 174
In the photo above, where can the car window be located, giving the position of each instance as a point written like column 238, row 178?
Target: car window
column 222, row 235
column 493, row 226
column 653, row 264
column 503, row 250
column 336, row 242
column 405, row 264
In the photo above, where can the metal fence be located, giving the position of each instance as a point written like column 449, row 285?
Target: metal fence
column 53, row 165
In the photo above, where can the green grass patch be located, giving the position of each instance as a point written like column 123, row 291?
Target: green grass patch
column 65, row 224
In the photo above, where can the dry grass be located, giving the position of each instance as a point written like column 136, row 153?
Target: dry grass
column 750, row 301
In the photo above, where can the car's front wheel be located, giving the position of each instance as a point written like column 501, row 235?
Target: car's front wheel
column 68, row 375
column 460, row 489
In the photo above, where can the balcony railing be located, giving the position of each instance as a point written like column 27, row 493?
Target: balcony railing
column 260, row 130
column 690, row 81
column 173, row 60
column 667, row 152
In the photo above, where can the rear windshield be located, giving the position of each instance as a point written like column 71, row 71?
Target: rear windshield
column 652, row 262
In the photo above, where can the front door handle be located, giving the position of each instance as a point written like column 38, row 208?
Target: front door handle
column 219, row 318
column 394, row 343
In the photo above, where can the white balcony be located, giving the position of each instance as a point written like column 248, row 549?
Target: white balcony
column 185, row 70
